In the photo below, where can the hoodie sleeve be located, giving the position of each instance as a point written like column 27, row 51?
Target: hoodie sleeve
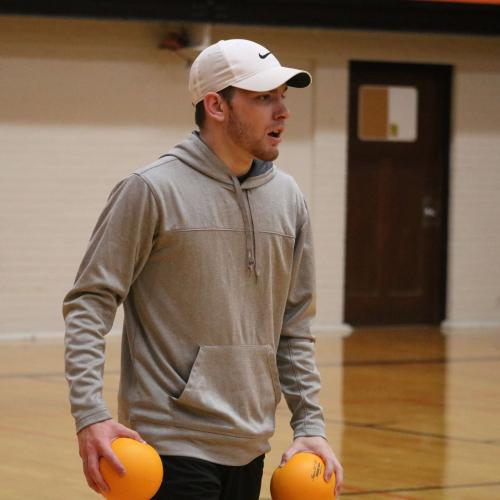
column 118, row 249
column 299, row 375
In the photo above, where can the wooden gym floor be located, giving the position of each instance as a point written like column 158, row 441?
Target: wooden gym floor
column 412, row 413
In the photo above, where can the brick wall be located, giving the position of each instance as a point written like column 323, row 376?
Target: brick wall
column 84, row 102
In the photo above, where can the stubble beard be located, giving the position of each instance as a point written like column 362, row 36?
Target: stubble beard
column 238, row 131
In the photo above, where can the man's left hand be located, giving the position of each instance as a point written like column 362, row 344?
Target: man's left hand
column 319, row 446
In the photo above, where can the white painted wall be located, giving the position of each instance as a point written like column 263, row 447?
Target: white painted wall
column 84, row 102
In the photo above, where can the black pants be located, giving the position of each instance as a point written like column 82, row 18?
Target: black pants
column 186, row 478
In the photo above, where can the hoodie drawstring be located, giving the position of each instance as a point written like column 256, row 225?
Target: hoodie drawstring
column 248, row 226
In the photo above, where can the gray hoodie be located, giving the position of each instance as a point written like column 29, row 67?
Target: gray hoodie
column 217, row 282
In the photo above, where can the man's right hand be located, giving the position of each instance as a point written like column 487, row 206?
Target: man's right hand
column 94, row 442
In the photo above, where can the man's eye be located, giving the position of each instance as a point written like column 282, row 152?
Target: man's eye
column 264, row 97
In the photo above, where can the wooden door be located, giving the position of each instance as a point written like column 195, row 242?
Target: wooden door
column 397, row 193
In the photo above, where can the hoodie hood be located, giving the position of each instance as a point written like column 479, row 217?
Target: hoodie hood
column 197, row 155
column 194, row 153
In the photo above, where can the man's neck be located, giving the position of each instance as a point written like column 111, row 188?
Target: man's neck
column 238, row 162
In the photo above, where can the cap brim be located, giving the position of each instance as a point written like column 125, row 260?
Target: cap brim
column 273, row 78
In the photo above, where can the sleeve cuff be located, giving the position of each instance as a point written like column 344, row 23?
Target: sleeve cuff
column 93, row 418
column 309, row 431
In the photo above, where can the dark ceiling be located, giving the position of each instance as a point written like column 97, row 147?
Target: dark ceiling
column 392, row 15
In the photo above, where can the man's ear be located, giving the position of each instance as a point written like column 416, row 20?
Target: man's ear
column 215, row 106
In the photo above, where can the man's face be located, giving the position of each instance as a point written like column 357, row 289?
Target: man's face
column 256, row 122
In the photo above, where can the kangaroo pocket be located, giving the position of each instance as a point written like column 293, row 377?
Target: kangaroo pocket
column 231, row 390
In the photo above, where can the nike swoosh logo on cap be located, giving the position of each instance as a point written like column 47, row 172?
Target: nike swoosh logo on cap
column 263, row 56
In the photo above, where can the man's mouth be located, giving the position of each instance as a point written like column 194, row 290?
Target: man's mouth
column 276, row 133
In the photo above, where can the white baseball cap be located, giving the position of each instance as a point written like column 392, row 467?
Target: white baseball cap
column 242, row 64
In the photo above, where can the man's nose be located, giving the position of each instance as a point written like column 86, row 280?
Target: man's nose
column 282, row 112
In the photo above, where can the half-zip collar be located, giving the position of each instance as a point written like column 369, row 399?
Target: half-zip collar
column 196, row 154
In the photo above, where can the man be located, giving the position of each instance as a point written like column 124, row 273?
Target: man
column 209, row 249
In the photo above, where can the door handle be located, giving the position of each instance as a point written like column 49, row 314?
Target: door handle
column 430, row 211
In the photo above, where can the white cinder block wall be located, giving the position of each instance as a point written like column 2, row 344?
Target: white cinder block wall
column 85, row 102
